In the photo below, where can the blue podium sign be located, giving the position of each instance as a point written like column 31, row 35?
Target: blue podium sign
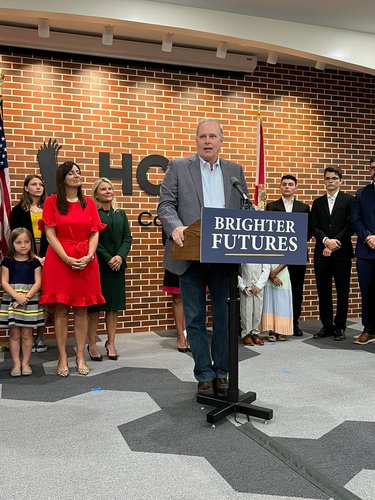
column 240, row 236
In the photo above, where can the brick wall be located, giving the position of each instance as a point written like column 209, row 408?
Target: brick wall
column 311, row 119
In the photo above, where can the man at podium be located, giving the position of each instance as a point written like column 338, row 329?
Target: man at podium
column 203, row 180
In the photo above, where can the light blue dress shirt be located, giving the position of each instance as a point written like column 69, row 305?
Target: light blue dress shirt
column 213, row 184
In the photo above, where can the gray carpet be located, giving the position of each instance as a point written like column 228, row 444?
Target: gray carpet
column 133, row 429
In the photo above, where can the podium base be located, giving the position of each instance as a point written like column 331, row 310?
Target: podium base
column 223, row 408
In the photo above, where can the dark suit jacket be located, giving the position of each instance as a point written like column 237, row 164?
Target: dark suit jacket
column 363, row 220
column 336, row 225
column 181, row 199
column 20, row 218
column 298, row 207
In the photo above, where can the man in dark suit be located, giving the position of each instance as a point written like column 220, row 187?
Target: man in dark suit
column 331, row 227
column 189, row 184
column 289, row 203
column 363, row 220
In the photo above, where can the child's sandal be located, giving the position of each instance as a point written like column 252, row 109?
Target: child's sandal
column 271, row 337
column 15, row 372
column 280, row 337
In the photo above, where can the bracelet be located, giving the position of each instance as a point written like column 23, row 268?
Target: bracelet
column 91, row 256
column 67, row 261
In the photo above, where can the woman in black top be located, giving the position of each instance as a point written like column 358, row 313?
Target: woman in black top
column 29, row 210
column 27, row 213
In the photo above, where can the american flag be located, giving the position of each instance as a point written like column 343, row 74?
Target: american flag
column 260, row 182
column 4, row 188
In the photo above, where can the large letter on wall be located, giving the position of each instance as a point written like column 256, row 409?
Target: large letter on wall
column 144, row 165
column 124, row 173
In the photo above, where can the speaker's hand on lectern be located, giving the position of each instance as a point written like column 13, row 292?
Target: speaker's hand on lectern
column 178, row 235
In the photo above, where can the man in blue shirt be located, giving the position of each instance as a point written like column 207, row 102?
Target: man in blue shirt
column 202, row 180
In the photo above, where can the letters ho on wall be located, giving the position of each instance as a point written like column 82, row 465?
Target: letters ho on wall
column 47, row 159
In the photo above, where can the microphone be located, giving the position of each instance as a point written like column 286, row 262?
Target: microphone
column 236, row 184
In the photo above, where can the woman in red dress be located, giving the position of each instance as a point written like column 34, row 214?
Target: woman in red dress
column 71, row 274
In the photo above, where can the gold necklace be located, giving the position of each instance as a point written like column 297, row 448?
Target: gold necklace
column 36, row 209
column 72, row 200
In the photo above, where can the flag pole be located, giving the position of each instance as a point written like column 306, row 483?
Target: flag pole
column 260, row 181
column 5, row 203
column 2, row 77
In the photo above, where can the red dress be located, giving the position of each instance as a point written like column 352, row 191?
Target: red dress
column 60, row 283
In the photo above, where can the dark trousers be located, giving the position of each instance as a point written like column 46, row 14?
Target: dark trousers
column 297, row 279
column 366, row 278
column 326, row 269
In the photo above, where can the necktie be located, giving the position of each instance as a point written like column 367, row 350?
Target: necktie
column 331, row 201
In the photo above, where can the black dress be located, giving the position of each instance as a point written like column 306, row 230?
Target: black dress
column 171, row 282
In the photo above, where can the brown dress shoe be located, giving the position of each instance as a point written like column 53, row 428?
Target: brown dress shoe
column 206, row 388
column 248, row 340
column 365, row 338
column 257, row 340
column 221, row 385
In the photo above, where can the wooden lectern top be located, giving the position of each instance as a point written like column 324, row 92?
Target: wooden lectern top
column 192, row 243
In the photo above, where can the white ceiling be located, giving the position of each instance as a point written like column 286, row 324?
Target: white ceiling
column 342, row 14
column 339, row 33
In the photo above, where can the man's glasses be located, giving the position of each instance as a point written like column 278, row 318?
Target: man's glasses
column 372, row 167
column 331, row 178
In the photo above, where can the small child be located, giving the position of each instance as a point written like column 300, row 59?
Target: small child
column 251, row 283
column 21, row 276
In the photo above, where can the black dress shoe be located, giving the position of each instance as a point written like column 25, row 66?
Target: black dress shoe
column 324, row 332
column 339, row 334
column 94, row 358
column 297, row 332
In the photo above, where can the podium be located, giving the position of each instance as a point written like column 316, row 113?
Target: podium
column 235, row 402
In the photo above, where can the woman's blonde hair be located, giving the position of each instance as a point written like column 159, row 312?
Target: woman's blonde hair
column 95, row 189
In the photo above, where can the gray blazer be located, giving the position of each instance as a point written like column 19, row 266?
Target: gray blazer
column 181, row 199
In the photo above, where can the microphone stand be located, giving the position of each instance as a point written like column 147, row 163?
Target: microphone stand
column 235, row 403
column 246, row 205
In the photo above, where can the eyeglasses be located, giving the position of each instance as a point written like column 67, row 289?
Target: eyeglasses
column 372, row 167
column 331, row 178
